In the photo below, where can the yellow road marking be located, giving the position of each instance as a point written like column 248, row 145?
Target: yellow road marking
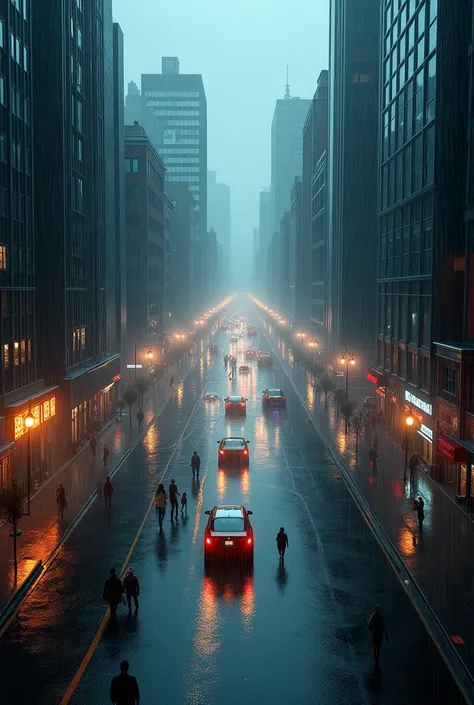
column 90, row 651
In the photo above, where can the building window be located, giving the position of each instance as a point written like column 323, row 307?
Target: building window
column 3, row 257
column 2, row 35
column 79, row 5
column 449, row 379
column 79, row 38
column 131, row 165
column 6, row 356
column 412, row 366
column 3, row 149
column 25, row 59
column 22, row 351
column 16, row 353
column 425, row 373
column 2, row 90
column 79, row 149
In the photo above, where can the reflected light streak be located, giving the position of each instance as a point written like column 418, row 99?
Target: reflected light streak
column 221, row 485
column 277, row 437
column 180, row 395
column 261, row 431
column 405, row 543
column 245, row 485
column 205, row 641
column 151, row 439
column 199, row 509
column 310, row 395
column 247, row 603
column 117, row 439
column 228, row 594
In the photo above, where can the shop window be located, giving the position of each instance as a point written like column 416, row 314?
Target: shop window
column 3, row 257
column 402, row 369
column 412, row 366
column 449, row 380
column 16, row 353
column 22, row 351
column 6, row 356
column 425, row 373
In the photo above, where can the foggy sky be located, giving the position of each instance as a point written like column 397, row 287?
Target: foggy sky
column 241, row 47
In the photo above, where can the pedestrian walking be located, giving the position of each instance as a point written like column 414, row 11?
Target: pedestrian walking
column 131, row 587
column 124, row 688
column 282, row 542
column 93, row 446
column 195, row 463
column 377, row 627
column 108, row 492
column 413, row 465
column 373, row 459
column 113, row 592
column 160, row 504
column 105, row 454
column 173, row 495
column 419, row 506
column 61, row 499
column 184, row 502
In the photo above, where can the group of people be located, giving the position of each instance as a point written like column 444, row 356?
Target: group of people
column 161, row 500
column 93, row 449
column 232, row 361
column 115, row 589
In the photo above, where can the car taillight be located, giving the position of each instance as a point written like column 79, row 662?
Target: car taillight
column 249, row 541
column 242, row 403
column 227, row 406
column 245, row 452
column 221, row 452
column 208, row 541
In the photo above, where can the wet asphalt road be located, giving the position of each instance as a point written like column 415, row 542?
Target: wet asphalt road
column 296, row 634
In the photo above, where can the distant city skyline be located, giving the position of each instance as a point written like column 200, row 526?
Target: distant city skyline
column 244, row 73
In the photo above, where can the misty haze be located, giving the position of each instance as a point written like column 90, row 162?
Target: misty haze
column 237, row 352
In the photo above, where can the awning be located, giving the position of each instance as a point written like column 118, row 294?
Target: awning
column 376, row 377
column 451, row 450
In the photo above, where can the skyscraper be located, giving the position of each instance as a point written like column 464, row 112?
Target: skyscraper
column 179, row 103
column 219, row 215
column 287, row 151
column 352, row 176
column 265, row 230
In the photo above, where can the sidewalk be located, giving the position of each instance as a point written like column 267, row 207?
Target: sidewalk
column 43, row 529
column 440, row 560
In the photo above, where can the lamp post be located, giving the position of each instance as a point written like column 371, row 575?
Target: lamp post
column 179, row 338
column 347, row 359
column 313, row 344
column 409, row 420
column 301, row 336
column 29, row 423
column 148, row 355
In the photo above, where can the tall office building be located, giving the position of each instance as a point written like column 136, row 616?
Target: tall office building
column 296, row 254
column 20, row 377
column 74, row 180
column 219, row 215
column 265, row 229
column 181, row 232
column 352, row 176
column 287, row 151
column 179, row 103
column 424, row 285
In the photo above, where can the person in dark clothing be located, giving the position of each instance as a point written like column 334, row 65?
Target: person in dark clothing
column 184, row 503
column 124, row 688
column 93, row 445
column 282, row 542
column 373, row 458
column 106, row 454
column 131, row 587
column 173, row 495
column 378, row 629
column 61, row 499
column 419, row 505
column 108, row 492
column 195, row 463
column 113, row 592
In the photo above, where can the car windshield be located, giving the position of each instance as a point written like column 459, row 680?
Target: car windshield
column 274, row 392
column 235, row 399
column 228, row 525
column 234, row 444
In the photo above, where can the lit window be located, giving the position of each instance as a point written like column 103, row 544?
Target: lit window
column 16, row 353
column 6, row 356
column 1, row 34
column 25, row 58
column 79, row 38
column 28, row 348
column 3, row 257
column 2, row 90
column 22, row 351
column 83, row 338
column 79, row 5
column 72, row 26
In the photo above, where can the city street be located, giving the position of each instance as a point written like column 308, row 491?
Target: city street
column 292, row 634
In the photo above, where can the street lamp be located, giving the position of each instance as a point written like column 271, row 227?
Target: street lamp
column 148, row 355
column 29, row 423
column 301, row 336
column 409, row 421
column 347, row 359
column 179, row 337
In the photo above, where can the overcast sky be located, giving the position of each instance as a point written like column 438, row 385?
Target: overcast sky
column 241, row 48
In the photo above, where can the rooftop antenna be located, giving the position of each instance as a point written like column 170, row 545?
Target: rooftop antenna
column 287, row 87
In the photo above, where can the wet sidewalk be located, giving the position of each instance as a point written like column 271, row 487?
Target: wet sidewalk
column 44, row 529
column 440, row 556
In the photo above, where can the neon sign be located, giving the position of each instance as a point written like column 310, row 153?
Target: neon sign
column 419, row 403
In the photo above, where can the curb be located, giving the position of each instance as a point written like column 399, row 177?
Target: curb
column 21, row 593
column 454, row 663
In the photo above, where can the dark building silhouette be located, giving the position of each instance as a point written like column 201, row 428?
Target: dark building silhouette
column 181, row 235
column 296, row 251
column 314, row 264
column 423, row 251
column 352, row 177
column 219, row 216
column 265, row 230
column 20, row 378
column 75, row 192
column 145, row 227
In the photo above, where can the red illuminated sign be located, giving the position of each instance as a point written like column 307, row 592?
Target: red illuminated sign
column 372, row 378
column 452, row 451
column 376, row 377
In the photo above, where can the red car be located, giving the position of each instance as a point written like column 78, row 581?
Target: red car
column 274, row 398
column 235, row 405
column 233, row 451
column 251, row 352
column 228, row 533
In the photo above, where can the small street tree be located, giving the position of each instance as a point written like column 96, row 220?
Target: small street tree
column 358, row 424
column 327, row 386
column 339, row 397
column 13, row 498
column 141, row 387
column 347, row 409
column 130, row 396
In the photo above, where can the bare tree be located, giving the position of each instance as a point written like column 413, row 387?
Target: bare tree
column 13, row 498
column 130, row 396
column 358, row 424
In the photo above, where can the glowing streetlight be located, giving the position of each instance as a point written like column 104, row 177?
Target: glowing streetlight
column 347, row 358
column 29, row 423
column 409, row 421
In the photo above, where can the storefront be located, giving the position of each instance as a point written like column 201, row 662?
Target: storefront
column 6, row 449
column 421, row 434
column 454, row 464
column 447, row 419
column 424, row 445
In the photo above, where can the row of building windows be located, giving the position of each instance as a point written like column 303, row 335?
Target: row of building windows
column 173, row 104
column 183, row 178
column 400, row 13
column 410, row 170
column 409, row 365
column 178, row 150
column 176, row 113
column 21, row 6
column 184, row 169
column 171, row 94
column 21, row 206
column 181, row 160
column 154, row 175
column 183, row 122
column 17, row 352
column 76, row 32
column 76, row 73
column 20, row 106
column 154, row 199
column 406, row 240
column 18, row 53
column 405, row 311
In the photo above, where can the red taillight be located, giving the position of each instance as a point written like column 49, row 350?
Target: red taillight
column 221, row 452
column 282, row 396
column 249, row 541
column 208, row 541
column 227, row 406
column 242, row 403
column 245, row 452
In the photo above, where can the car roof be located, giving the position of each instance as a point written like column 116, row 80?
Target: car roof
column 273, row 389
column 231, row 510
column 233, row 438
column 235, row 397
